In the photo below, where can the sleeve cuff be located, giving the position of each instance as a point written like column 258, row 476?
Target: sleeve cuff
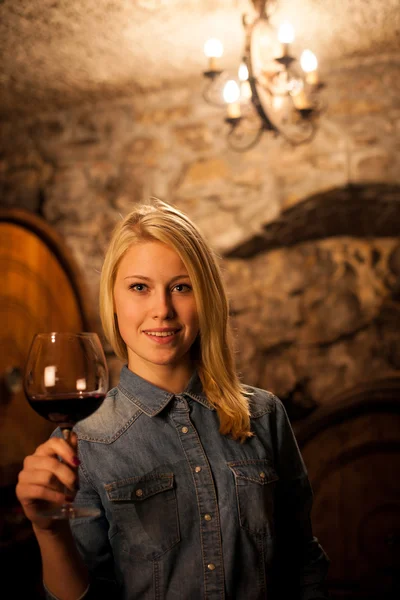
column 50, row 596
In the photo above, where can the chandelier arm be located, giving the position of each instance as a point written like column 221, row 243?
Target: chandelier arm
column 259, row 6
column 264, row 7
column 252, row 144
column 267, row 123
column 304, row 140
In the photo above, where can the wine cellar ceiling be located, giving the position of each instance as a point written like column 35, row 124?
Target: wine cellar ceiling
column 60, row 52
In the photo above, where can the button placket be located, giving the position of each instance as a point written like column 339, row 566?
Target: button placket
column 210, row 531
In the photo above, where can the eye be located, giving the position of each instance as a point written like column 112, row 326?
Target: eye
column 182, row 287
column 138, row 287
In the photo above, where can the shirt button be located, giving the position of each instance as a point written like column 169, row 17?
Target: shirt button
column 211, row 567
column 207, row 517
column 139, row 493
column 185, row 429
column 197, row 469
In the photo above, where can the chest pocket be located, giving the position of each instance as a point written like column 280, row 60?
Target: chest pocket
column 255, row 482
column 145, row 511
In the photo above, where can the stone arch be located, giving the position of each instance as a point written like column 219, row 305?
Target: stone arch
column 362, row 210
column 315, row 298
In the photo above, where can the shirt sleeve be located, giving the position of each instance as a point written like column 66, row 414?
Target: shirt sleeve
column 91, row 536
column 301, row 563
column 50, row 596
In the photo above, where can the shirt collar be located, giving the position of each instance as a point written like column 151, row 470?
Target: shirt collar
column 152, row 399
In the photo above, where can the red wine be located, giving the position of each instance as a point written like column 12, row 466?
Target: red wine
column 66, row 410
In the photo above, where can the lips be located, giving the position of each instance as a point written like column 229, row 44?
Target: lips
column 161, row 332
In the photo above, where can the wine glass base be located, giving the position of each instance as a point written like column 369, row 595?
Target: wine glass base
column 67, row 513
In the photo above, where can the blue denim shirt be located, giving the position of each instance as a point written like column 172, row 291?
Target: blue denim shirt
column 187, row 513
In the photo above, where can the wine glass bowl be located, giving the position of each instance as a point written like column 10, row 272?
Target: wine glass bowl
column 65, row 381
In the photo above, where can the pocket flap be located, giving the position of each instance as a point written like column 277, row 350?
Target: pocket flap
column 258, row 471
column 136, row 489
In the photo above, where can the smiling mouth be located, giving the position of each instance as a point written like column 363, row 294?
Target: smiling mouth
column 163, row 334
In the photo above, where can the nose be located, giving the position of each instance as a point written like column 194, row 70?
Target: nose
column 163, row 308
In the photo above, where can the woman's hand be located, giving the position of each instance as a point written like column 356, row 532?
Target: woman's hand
column 45, row 481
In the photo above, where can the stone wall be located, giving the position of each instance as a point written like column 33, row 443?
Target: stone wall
column 314, row 313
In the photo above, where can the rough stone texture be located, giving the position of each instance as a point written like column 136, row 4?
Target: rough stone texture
column 308, row 235
column 320, row 313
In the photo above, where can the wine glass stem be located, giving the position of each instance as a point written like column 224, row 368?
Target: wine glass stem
column 66, row 435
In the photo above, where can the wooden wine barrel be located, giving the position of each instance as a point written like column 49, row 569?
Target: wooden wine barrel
column 41, row 290
column 352, row 451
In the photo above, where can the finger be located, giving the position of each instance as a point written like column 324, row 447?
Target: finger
column 31, row 494
column 58, row 447
column 50, row 473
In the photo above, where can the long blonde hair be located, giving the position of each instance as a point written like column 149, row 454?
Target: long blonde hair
column 214, row 351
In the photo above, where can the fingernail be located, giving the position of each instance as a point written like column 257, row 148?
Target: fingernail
column 76, row 461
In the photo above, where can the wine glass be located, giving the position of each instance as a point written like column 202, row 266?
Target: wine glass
column 65, row 381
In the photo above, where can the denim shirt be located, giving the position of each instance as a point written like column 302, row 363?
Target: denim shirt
column 190, row 514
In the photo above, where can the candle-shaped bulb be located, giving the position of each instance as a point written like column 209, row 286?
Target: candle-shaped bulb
column 286, row 33
column 231, row 91
column 243, row 72
column 286, row 37
column 231, row 95
column 308, row 61
column 245, row 89
column 213, row 49
column 309, row 64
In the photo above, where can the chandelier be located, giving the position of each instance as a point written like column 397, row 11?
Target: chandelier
column 270, row 92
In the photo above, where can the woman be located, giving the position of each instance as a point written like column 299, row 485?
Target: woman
column 202, row 489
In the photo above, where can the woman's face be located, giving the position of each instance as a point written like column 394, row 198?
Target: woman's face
column 155, row 307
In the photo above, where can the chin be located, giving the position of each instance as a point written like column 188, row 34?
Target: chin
column 173, row 360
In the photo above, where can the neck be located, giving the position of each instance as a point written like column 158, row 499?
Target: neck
column 169, row 378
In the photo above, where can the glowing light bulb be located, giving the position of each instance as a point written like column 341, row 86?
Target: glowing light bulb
column 308, row 61
column 243, row 72
column 231, row 91
column 309, row 64
column 286, row 37
column 213, row 49
column 231, row 96
column 286, row 33
column 245, row 89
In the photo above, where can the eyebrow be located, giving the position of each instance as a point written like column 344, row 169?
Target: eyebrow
column 144, row 278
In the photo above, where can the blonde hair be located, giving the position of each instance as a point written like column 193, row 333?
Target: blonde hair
column 214, row 351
